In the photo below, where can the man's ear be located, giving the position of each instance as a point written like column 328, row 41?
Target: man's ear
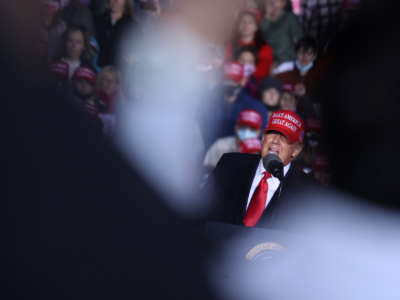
column 297, row 150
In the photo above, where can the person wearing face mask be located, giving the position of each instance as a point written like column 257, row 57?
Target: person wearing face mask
column 76, row 50
column 248, row 126
column 304, row 76
column 84, row 96
column 247, row 57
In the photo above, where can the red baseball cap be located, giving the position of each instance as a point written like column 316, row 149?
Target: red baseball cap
column 252, row 145
column 288, row 123
column 85, row 73
column 60, row 69
column 234, row 71
column 250, row 117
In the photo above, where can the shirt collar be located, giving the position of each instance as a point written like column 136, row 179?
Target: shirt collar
column 261, row 169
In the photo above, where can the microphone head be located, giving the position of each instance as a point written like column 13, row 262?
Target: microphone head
column 273, row 164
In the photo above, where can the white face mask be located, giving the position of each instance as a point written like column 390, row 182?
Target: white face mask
column 246, row 133
column 303, row 69
column 248, row 69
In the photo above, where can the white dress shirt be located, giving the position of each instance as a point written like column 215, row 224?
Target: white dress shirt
column 72, row 66
column 273, row 182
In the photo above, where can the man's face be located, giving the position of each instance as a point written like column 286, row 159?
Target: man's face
column 305, row 57
column 276, row 143
column 271, row 97
column 248, row 61
column 75, row 44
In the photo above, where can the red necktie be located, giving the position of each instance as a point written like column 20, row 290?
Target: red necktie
column 257, row 202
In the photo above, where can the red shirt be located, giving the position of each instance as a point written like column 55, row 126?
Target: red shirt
column 264, row 58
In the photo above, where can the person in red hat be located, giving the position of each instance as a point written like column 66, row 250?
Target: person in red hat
column 251, row 146
column 248, row 126
column 245, row 193
column 233, row 80
column 83, row 82
column 58, row 75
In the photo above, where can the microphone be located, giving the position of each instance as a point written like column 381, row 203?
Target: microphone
column 273, row 164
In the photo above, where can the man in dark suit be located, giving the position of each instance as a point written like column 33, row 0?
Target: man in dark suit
column 245, row 193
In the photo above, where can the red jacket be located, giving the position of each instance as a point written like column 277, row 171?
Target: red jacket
column 264, row 58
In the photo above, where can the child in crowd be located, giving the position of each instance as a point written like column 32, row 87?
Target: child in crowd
column 108, row 87
column 83, row 84
column 247, row 57
column 248, row 126
column 247, row 33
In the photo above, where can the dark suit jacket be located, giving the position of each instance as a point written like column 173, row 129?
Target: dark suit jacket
column 230, row 186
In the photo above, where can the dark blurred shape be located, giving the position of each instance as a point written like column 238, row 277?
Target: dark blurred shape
column 76, row 13
column 80, row 223
column 273, row 164
column 362, row 104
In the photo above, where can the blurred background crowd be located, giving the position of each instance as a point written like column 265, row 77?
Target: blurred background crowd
column 273, row 55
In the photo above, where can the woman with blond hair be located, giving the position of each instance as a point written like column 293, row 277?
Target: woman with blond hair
column 107, row 87
column 118, row 18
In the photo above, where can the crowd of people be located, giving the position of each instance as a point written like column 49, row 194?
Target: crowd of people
column 275, row 59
